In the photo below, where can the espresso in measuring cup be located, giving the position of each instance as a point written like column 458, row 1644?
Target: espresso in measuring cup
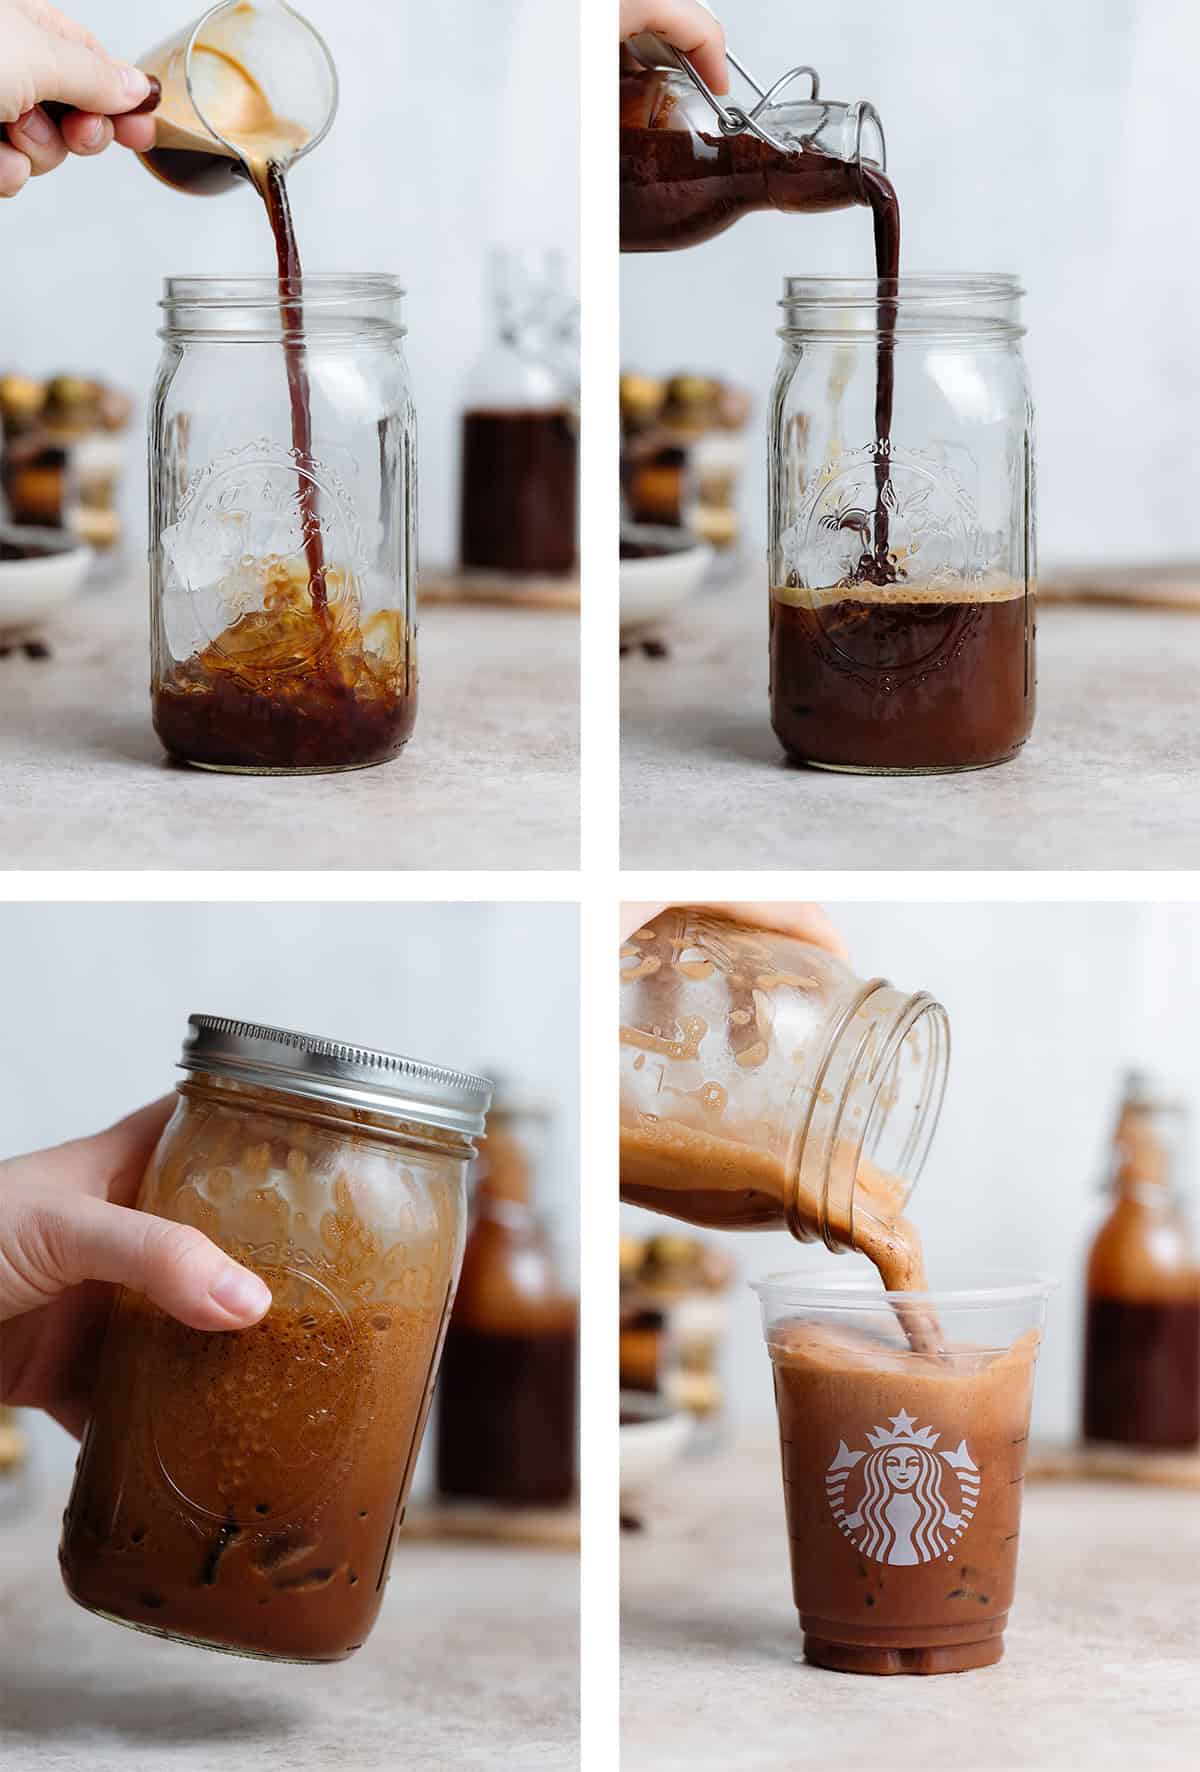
column 186, row 154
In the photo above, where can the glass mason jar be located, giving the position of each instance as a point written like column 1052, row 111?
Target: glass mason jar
column 506, row 1415
column 765, row 1087
column 283, row 616
column 518, row 510
column 242, row 1490
column 902, row 543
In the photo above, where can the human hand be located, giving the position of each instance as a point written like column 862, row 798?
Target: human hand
column 807, row 922
column 45, row 57
column 688, row 27
column 68, row 1235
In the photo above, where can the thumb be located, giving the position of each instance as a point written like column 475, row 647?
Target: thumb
column 60, row 1240
column 87, row 80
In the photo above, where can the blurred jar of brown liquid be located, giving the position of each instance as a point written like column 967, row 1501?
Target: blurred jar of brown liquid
column 507, row 1396
column 518, row 499
column 1141, row 1384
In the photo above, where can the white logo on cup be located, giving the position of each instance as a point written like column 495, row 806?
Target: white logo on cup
column 892, row 1502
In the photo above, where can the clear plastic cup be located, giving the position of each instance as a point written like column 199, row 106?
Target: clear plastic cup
column 903, row 1471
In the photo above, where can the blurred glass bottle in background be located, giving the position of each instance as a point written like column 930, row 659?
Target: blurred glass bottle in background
column 520, row 436
column 506, row 1428
column 1141, row 1383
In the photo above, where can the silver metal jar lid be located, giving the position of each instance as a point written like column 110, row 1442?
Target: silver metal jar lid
column 329, row 1070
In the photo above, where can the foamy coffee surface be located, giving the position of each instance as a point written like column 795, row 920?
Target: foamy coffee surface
column 819, row 1348
column 955, row 591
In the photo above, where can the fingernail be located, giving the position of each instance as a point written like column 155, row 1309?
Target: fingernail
column 93, row 132
column 136, row 84
column 241, row 1293
column 152, row 99
column 36, row 125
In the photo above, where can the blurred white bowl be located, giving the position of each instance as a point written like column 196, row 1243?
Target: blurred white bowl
column 653, row 587
column 31, row 590
column 653, row 1436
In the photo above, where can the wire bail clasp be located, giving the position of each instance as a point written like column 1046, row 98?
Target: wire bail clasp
column 735, row 119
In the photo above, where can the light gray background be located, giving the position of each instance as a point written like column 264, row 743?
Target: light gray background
column 1026, row 137
column 458, row 130
column 1048, row 1004
column 96, row 998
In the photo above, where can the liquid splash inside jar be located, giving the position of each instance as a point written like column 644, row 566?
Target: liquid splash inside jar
column 242, row 1491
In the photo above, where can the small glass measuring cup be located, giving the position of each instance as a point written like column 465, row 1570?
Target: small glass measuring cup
column 251, row 82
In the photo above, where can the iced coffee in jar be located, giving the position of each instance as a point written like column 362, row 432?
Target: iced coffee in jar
column 242, row 1491
column 765, row 1086
column 903, row 564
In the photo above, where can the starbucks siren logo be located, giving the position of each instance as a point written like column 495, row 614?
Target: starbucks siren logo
column 892, row 1502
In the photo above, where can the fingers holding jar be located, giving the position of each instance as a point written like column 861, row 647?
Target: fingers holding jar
column 807, row 922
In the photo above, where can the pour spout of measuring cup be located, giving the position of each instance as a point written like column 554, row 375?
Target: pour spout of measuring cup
column 250, row 82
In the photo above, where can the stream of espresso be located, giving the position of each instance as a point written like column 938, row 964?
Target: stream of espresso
column 265, row 143
column 291, row 309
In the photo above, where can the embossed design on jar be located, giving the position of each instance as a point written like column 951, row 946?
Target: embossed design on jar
column 933, row 529
column 240, row 529
column 217, row 1402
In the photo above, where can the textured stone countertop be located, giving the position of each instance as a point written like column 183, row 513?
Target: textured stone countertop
column 474, row 1663
column 1110, row 778
column 490, row 778
column 1102, row 1662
